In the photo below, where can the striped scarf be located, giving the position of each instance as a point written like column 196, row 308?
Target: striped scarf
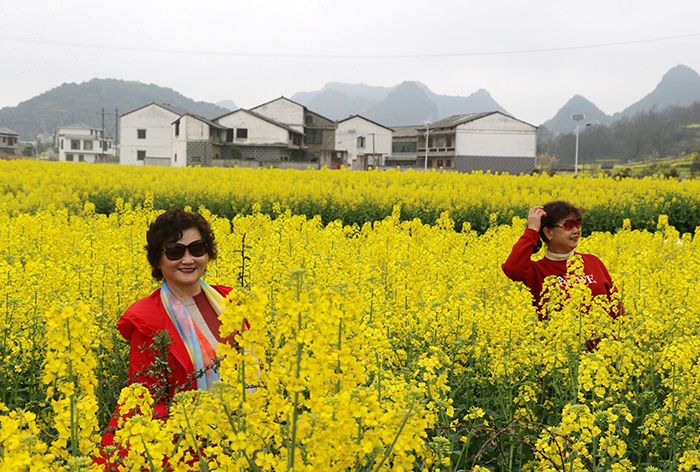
column 200, row 350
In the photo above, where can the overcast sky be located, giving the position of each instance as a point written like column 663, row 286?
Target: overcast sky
column 531, row 56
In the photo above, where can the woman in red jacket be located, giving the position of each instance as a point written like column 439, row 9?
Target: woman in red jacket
column 179, row 320
column 558, row 225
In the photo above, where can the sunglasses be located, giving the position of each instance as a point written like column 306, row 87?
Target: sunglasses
column 175, row 251
column 570, row 224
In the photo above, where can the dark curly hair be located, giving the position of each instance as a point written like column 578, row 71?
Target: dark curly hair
column 556, row 211
column 167, row 228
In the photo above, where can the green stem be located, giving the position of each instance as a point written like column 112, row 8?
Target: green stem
column 396, row 438
column 295, row 411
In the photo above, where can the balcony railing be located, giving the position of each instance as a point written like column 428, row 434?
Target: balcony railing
column 436, row 149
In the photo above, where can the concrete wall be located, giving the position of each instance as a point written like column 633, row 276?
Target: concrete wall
column 496, row 135
column 509, row 165
column 258, row 164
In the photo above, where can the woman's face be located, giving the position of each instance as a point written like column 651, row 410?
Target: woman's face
column 183, row 274
column 561, row 239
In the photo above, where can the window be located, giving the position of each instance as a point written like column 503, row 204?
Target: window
column 441, row 142
column 75, row 144
column 241, row 133
column 448, row 163
column 81, row 158
column 449, row 141
column 141, row 133
column 361, row 141
column 309, row 119
column 404, row 146
column 296, row 139
column 69, row 157
column 87, row 145
column 61, row 144
column 229, row 135
column 314, row 136
column 140, row 155
column 177, row 128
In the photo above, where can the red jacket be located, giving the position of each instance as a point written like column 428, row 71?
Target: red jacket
column 141, row 321
column 521, row 268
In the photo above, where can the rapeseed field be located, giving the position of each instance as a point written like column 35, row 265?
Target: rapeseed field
column 383, row 333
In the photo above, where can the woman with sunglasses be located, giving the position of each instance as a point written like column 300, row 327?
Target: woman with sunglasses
column 184, row 309
column 558, row 225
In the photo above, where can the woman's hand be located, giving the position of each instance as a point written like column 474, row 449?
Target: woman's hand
column 534, row 218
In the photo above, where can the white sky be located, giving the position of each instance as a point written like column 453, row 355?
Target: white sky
column 613, row 52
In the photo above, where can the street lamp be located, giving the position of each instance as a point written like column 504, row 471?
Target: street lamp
column 578, row 117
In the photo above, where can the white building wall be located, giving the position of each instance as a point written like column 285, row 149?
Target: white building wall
column 87, row 141
column 179, row 144
column 157, row 122
column 496, row 135
column 260, row 132
column 377, row 140
column 283, row 111
column 191, row 129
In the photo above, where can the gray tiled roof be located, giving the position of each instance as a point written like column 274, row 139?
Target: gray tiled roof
column 4, row 130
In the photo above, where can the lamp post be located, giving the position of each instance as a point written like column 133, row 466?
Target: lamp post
column 577, row 118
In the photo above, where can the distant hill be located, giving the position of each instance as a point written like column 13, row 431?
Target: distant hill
column 408, row 103
column 562, row 122
column 680, row 86
column 74, row 103
column 405, row 105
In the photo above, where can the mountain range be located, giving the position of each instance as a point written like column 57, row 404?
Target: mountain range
column 408, row 103
column 680, row 86
column 83, row 103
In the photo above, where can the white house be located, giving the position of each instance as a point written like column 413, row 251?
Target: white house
column 146, row 134
column 318, row 131
column 196, row 141
column 479, row 141
column 82, row 143
column 9, row 141
column 367, row 143
column 259, row 137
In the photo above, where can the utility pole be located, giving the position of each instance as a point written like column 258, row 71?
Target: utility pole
column 116, row 133
column 102, row 137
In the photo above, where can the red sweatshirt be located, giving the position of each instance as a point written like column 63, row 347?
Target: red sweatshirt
column 141, row 321
column 520, row 268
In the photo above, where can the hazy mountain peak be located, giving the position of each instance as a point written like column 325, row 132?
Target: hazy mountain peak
column 337, row 100
column 228, row 104
column 562, row 121
column 680, row 86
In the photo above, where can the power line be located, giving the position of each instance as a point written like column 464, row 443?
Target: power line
column 345, row 56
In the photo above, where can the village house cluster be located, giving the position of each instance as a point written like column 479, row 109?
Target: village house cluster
column 285, row 134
